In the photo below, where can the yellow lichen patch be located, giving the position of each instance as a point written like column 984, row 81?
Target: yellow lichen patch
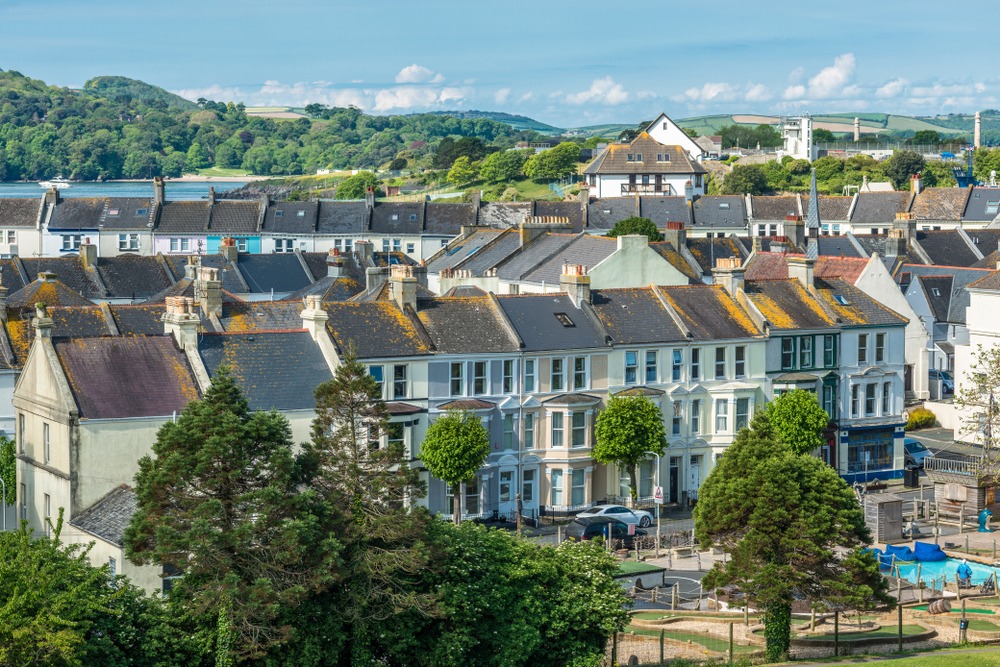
column 180, row 371
column 734, row 309
column 20, row 334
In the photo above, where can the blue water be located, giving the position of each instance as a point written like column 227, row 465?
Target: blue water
column 937, row 569
column 173, row 190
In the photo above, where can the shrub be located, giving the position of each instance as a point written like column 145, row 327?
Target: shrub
column 920, row 418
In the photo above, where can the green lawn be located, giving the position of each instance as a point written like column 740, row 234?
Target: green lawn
column 989, row 658
column 219, row 171
column 718, row 644
column 884, row 633
column 635, row 567
column 983, row 626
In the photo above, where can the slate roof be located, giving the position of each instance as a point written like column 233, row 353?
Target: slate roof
column 80, row 322
column 132, row 276
column 705, row 250
column 276, row 370
column 316, row 261
column 110, row 516
column 465, row 325
column 946, row 247
column 235, row 217
column 837, row 246
column 69, row 271
column 662, row 210
column 398, row 218
column 767, row 266
column 10, row 274
column 832, row 208
column 980, row 198
column 989, row 282
column 460, row 251
column 502, row 215
column 939, row 204
column 848, row 268
column 962, row 278
column 635, row 316
column 872, row 243
column 534, row 319
column 879, row 208
column 126, row 376
column 767, row 208
column 720, row 211
column 503, row 247
column 374, row 329
column 448, row 219
column 708, row 312
column 392, row 258
column 127, row 214
column 261, row 316
column 230, row 282
column 51, row 292
column 298, row 217
column 281, row 272
column 862, row 310
column 614, row 159
column 146, row 320
column 184, row 217
column 329, row 289
column 586, row 250
column 786, row 305
column 77, row 213
column 603, row 213
column 937, row 290
column 666, row 250
column 572, row 210
column 342, row 217
column 986, row 240
column 18, row 212
column 533, row 254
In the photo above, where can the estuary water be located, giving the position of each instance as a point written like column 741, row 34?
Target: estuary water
column 176, row 190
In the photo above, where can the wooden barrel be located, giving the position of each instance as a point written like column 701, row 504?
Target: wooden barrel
column 940, row 606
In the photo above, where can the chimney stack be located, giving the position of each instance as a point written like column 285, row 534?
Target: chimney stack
column 88, row 255
column 977, row 134
column 915, row 183
column 895, row 244
column 795, row 230
column 314, row 318
column 370, row 198
column 675, row 234
column 801, row 268
column 211, row 196
column 576, row 283
column 181, row 322
column 3, row 303
column 191, row 268
column 334, row 264
column 404, row 287
column 42, row 323
column 729, row 273
column 228, row 249
column 857, row 130
column 159, row 193
column 52, row 196
column 208, row 289
column 364, row 250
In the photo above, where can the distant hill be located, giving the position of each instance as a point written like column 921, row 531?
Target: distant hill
column 835, row 122
column 515, row 121
column 120, row 88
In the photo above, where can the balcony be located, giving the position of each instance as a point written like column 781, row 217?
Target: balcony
column 646, row 189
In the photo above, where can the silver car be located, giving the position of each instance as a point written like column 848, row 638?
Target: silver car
column 620, row 512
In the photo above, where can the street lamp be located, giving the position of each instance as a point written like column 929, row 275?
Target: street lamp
column 658, row 502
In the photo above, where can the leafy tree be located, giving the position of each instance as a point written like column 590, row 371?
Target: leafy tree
column 902, row 165
column 798, row 420
column 691, row 132
column 355, row 187
column 925, row 138
column 977, row 398
column 553, row 163
column 8, row 469
column 745, row 179
column 794, row 530
column 628, row 430
column 828, row 167
column 984, row 161
column 398, row 164
column 503, row 166
column 462, row 171
column 219, row 501
column 450, row 149
column 197, row 157
column 937, row 173
column 455, row 447
column 636, row 225
column 822, row 135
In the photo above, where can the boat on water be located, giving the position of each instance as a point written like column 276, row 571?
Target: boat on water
column 59, row 183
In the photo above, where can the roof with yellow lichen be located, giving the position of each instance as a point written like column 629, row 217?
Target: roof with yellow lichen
column 647, row 157
column 374, row 329
column 854, row 307
column 261, row 315
column 709, row 312
column 139, row 319
column 667, row 251
column 634, row 316
column 461, row 325
column 49, row 291
column 786, row 305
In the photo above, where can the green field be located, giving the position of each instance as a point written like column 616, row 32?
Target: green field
column 985, row 658
column 220, row 171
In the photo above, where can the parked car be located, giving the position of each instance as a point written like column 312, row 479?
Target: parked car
column 916, row 453
column 636, row 517
column 946, row 378
column 590, row 527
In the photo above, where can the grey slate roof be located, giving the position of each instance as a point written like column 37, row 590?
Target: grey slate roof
column 662, row 210
column 127, row 213
column 504, row 214
column 837, row 246
column 720, row 211
column 534, row 319
column 69, row 271
column 342, row 217
column 235, row 217
column 184, row 217
column 983, row 205
column 18, row 212
column 247, row 316
column 281, row 272
column 946, row 247
column 986, row 240
column 937, row 290
column 77, row 214
column 230, row 282
column 872, row 243
column 503, row 247
column 586, row 250
column 329, row 289
column 143, row 319
column 572, row 210
column 831, row 208
column 299, row 217
column 132, row 276
column 939, row 204
column 777, row 208
column 862, row 311
column 879, row 208
column 448, row 219
column 603, row 213
column 961, row 279
column 465, row 325
column 461, row 250
column 275, row 370
column 708, row 312
column 533, row 254
column 374, row 328
column 110, row 516
column 398, row 218
column 634, row 316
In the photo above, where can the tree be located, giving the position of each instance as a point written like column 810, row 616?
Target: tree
column 367, row 489
column 355, row 187
column 197, row 157
column 219, row 501
column 793, row 528
column 636, row 225
column 977, row 398
column 925, row 138
column 553, row 163
column 455, row 447
column 745, row 179
column 798, row 420
column 628, row 430
column 462, row 171
column 822, row 135
column 902, row 165
column 503, row 166
column 8, row 469
column 398, row 164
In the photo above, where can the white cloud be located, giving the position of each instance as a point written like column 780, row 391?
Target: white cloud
column 417, row 74
column 757, row 92
column 502, row 95
column 831, row 82
column 721, row 91
column 604, row 91
column 891, row 88
column 796, row 74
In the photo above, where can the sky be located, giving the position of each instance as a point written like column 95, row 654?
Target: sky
column 569, row 64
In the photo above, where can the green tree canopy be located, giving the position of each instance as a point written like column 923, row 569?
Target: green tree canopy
column 553, row 163
column 8, row 469
column 745, row 179
column 977, row 397
column 628, row 430
column 793, row 528
column 823, row 136
column 503, row 166
column 636, row 225
column 798, row 420
column 455, row 447
column 462, row 171
column 925, row 138
column 355, row 187
column 902, row 165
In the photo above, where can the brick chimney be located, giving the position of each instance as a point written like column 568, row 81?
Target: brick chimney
column 41, row 322
column 3, row 303
column 916, row 184
column 228, row 249
column 675, row 234
column 364, row 250
column 181, row 321
column 370, row 198
column 801, row 268
column 404, row 287
column 314, row 318
column 576, row 283
column 895, row 244
column 52, row 196
column 208, row 290
column 191, row 268
column 729, row 273
column 334, row 264
column 88, row 255
column 159, row 191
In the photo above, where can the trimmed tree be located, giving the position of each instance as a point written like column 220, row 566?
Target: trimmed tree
column 745, row 179
column 798, row 420
column 794, row 530
column 977, row 397
column 636, row 225
column 628, row 430
column 454, row 448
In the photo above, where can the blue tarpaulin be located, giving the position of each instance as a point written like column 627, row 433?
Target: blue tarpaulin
column 925, row 551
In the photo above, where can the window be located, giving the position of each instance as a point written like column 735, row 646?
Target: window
column 20, row 432
column 479, row 377
column 677, row 359
column 410, row 248
column 992, row 207
column 11, row 236
column 397, row 245
column 348, row 245
column 283, row 245
column 630, row 157
column 378, row 372
column 395, row 434
column 638, row 157
column 300, row 214
column 886, row 398
column 879, row 347
column 695, row 363
column 581, row 375
column 870, row 449
column 46, row 444
column 787, row 353
column 830, row 400
column 557, row 487
column 862, row 348
column 806, row 352
column 506, row 482
column 650, row 366
column 721, row 415
column 279, row 213
column 557, row 429
column 742, row 413
column 578, row 425
column 631, row 366
column 829, row 351
column 180, row 245
column 558, row 375
column 508, row 431
column 855, row 400
column 579, row 487
column 696, row 416
column 457, row 378
column 720, row 363
column 71, row 242
column 663, row 157
column 675, row 424
column 529, row 376
column 741, row 361
column 385, row 245
column 241, row 245
column 529, row 430
column 47, row 508
column 24, row 502
column 127, row 242
column 527, row 486
column 869, row 399
column 508, row 376
column 399, row 384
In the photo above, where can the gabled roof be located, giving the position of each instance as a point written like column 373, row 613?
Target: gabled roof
column 542, row 248
column 398, row 218
column 550, row 322
column 986, row 240
column 719, row 211
column 143, row 319
column 49, row 291
column 448, row 219
column 983, row 204
column 614, row 159
column 374, row 328
column 276, row 370
column 67, row 322
column 603, row 213
column 635, row 316
column 776, row 208
column 299, row 217
column 261, row 316
column 77, row 213
column 854, row 307
column 832, row 208
column 708, row 312
column 571, row 210
column 234, row 217
column 939, row 204
column 460, row 250
column 231, row 281
column 110, row 516
column 937, row 290
column 837, row 246
column 68, row 270
column 879, row 208
column 988, row 282
column 586, row 250
column 18, row 212
column 184, row 217
column 705, row 250
column 962, row 278
column 329, row 289
column 872, row 243
column 786, row 305
column 465, row 325
column 342, row 217
column 767, row 266
column 947, row 247
column 502, row 215
column 502, row 247
column 666, row 250
column 280, row 272
column 662, row 210
column 127, row 214
column 126, row 376
column 848, row 268
column 132, row 276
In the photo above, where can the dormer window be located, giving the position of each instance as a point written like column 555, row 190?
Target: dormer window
column 992, row 207
column 638, row 157
column 630, row 157
column 935, row 291
column 663, row 157
column 564, row 320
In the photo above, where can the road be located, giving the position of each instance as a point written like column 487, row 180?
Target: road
column 941, row 441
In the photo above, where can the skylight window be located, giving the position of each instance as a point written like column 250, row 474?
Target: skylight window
column 565, row 320
column 935, row 291
column 113, row 211
column 413, row 216
column 279, row 213
column 141, row 211
column 300, row 214
column 724, row 206
column 394, row 216
column 841, row 299
column 992, row 207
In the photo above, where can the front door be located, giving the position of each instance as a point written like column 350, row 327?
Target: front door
column 529, row 497
column 675, row 480
column 508, row 486
column 694, row 477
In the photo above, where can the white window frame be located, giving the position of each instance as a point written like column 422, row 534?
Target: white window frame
column 879, row 347
column 722, row 415
column 696, row 416
column 377, row 371
column 128, row 242
column 530, row 386
column 676, row 365
column 740, row 361
column 558, row 429
column 556, row 490
column 529, row 430
column 581, row 374
column 456, row 379
column 507, row 376
column 71, row 241
column 633, row 367
column 46, row 443
column 11, row 237
column 577, row 431
column 561, row 363
column 400, row 382
column 508, row 431
column 284, row 245
column 242, row 244
column 478, row 379
column 695, row 363
column 862, row 349
column 720, row 362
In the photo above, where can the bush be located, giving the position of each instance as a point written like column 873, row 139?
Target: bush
column 920, row 418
